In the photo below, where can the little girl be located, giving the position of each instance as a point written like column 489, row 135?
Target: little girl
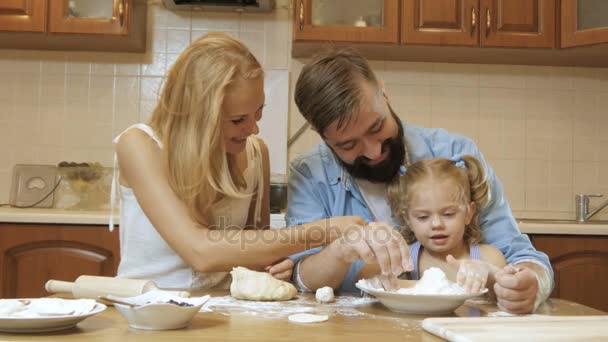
column 438, row 201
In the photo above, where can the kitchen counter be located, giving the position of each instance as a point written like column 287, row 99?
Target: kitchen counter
column 80, row 217
column 351, row 319
column 562, row 227
column 58, row 216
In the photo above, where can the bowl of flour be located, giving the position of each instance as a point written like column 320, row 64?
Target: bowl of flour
column 432, row 294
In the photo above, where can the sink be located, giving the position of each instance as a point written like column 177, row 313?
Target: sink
column 551, row 221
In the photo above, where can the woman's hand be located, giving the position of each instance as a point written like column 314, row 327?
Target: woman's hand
column 473, row 275
column 281, row 270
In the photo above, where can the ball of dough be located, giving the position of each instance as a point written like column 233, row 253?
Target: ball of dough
column 325, row 295
column 252, row 285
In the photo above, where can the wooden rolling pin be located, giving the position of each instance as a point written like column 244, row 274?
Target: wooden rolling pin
column 94, row 286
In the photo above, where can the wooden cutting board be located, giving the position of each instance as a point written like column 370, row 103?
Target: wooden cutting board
column 520, row 329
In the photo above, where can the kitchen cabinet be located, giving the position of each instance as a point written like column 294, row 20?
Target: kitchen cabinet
column 23, row 15
column 584, row 22
column 359, row 21
column 31, row 254
column 102, row 25
column 519, row 32
column 452, row 22
column 580, row 264
column 90, row 17
column 518, row 23
column 498, row 23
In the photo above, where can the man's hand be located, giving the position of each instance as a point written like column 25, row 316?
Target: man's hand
column 378, row 243
column 516, row 289
column 338, row 226
column 281, row 270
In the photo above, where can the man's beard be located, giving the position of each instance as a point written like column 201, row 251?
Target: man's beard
column 386, row 170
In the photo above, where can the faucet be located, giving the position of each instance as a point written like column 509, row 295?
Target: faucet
column 582, row 207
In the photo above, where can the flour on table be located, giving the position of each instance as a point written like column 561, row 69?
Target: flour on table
column 307, row 318
column 343, row 305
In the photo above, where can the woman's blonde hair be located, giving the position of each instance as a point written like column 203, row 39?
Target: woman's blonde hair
column 188, row 120
column 466, row 173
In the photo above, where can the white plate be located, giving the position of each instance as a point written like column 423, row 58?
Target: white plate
column 419, row 304
column 44, row 324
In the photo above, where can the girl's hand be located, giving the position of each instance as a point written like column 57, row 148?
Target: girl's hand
column 472, row 274
column 281, row 270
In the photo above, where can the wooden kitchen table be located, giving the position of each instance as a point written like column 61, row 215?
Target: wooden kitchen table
column 351, row 319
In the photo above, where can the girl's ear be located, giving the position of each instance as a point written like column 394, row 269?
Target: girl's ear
column 471, row 210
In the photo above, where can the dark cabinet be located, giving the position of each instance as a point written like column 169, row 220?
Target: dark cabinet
column 31, row 254
column 580, row 264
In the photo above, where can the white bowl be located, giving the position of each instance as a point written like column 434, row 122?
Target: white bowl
column 161, row 316
column 419, row 304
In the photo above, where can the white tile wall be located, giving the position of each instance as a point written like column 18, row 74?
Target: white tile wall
column 58, row 106
column 542, row 128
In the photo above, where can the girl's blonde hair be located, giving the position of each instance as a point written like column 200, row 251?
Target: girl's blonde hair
column 188, row 120
column 466, row 173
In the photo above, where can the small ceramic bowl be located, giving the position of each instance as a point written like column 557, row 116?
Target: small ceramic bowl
column 163, row 315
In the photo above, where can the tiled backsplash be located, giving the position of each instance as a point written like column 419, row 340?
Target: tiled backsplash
column 58, row 105
column 542, row 128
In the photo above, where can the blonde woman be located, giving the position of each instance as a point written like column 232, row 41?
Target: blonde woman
column 195, row 176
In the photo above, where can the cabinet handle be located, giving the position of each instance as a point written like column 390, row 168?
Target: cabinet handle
column 301, row 15
column 121, row 12
column 473, row 20
column 488, row 22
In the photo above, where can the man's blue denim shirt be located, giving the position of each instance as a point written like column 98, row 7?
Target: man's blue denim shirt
column 320, row 188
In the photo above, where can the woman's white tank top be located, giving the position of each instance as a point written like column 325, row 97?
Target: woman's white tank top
column 144, row 254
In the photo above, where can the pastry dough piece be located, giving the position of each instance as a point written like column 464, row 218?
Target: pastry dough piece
column 307, row 318
column 251, row 285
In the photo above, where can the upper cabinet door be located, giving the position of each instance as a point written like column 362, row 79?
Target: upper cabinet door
column 23, row 15
column 584, row 22
column 440, row 22
column 364, row 21
column 518, row 23
column 108, row 17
